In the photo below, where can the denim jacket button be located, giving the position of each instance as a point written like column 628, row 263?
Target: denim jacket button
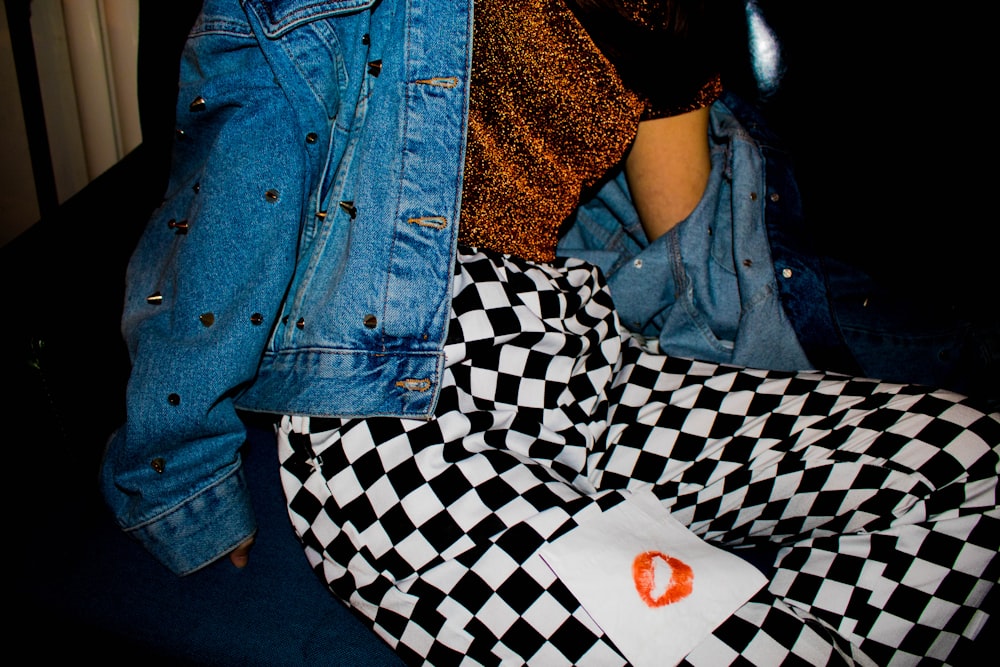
column 312, row 138
column 371, row 321
column 256, row 319
column 197, row 104
column 174, row 399
column 300, row 323
column 207, row 319
column 271, row 196
column 158, row 464
column 154, row 299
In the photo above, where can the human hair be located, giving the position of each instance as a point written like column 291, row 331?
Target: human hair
column 665, row 50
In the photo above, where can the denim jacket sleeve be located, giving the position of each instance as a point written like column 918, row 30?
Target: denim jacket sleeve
column 204, row 289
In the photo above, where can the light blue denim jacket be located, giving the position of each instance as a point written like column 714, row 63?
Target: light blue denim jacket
column 302, row 259
column 707, row 289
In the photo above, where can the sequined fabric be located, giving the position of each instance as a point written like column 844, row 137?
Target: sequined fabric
column 548, row 118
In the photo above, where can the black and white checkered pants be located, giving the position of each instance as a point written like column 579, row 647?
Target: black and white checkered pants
column 877, row 501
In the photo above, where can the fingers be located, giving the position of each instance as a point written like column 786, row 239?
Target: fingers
column 240, row 556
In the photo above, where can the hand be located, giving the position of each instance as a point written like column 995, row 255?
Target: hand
column 241, row 554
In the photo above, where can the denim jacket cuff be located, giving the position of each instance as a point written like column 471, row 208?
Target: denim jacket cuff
column 201, row 529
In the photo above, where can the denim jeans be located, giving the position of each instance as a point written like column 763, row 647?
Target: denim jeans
column 904, row 337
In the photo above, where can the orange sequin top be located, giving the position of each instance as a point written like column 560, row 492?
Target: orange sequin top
column 549, row 116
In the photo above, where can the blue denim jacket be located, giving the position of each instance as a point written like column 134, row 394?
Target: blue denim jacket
column 302, row 259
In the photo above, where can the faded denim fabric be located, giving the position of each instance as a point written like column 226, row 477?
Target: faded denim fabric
column 316, row 140
column 706, row 289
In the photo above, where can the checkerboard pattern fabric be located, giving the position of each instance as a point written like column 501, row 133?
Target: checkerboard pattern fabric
column 878, row 500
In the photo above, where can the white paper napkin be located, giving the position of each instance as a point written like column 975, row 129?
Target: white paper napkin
column 654, row 587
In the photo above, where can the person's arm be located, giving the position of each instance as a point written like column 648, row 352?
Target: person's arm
column 667, row 169
column 204, row 287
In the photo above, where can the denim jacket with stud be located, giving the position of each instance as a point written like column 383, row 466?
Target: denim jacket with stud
column 301, row 261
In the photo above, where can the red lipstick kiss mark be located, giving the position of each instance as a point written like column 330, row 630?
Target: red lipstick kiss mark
column 644, row 575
